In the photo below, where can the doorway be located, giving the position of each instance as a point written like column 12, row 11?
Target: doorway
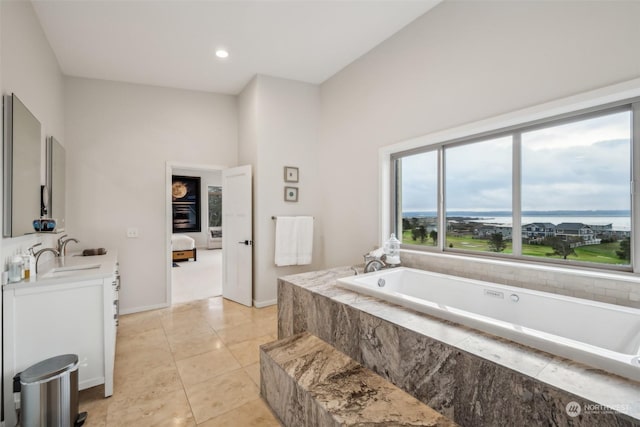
column 195, row 274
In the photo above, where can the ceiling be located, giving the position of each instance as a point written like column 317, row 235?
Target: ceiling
column 171, row 43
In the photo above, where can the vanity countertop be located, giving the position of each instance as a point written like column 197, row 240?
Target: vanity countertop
column 60, row 270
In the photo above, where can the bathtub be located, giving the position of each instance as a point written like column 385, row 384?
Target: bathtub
column 604, row 336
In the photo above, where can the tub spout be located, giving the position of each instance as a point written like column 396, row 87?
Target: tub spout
column 374, row 265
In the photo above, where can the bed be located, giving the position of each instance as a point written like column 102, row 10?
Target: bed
column 183, row 247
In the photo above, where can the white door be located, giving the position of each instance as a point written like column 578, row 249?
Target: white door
column 237, row 235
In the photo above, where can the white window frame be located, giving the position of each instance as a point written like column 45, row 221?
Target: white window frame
column 575, row 107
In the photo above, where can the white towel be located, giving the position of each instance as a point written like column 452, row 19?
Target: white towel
column 286, row 241
column 294, row 240
column 305, row 239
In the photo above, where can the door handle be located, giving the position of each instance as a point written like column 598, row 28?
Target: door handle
column 247, row 242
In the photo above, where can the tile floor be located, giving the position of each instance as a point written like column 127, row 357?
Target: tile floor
column 194, row 364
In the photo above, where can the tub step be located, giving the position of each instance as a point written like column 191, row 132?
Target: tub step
column 307, row 382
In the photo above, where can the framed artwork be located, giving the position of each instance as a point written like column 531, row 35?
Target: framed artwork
column 185, row 192
column 290, row 194
column 290, row 174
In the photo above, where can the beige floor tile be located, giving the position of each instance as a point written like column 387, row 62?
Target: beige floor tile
column 150, row 341
column 132, row 324
column 185, row 346
column 254, row 373
column 248, row 352
column 151, row 409
column 221, row 394
column 247, row 331
column 265, row 312
column 185, row 306
column 185, row 323
column 133, row 361
column 93, row 402
column 162, row 378
column 205, row 366
column 206, row 350
column 252, row 414
column 223, row 319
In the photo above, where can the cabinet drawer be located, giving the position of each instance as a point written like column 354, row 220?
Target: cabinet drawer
column 182, row 254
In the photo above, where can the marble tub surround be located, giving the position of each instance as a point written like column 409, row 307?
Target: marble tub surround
column 471, row 377
column 309, row 383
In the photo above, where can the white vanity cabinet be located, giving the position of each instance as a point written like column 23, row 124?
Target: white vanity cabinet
column 73, row 312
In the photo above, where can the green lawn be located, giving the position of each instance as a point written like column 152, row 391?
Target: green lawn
column 604, row 253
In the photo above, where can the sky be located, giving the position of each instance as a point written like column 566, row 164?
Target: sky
column 582, row 165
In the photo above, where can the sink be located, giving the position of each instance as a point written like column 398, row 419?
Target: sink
column 74, row 268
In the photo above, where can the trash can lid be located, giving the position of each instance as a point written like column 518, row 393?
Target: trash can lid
column 49, row 368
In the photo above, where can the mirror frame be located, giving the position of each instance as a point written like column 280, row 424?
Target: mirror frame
column 14, row 174
column 54, row 192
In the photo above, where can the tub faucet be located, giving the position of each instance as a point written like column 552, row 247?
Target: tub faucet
column 62, row 244
column 41, row 251
column 375, row 265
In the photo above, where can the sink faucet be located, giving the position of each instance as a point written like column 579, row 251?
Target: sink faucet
column 43, row 250
column 62, row 244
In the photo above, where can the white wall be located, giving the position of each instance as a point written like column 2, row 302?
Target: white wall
column 207, row 178
column 279, row 127
column 30, row 70
column 459, row 63
column 119, row 138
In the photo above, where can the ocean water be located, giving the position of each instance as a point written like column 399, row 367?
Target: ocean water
column 617, row 222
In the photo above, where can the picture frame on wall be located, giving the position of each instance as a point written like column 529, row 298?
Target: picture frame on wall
column 290, row 194
column 185, row 192
column 290, row 174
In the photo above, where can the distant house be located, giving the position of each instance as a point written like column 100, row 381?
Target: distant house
column 538, row 230
column 486, row 230
column 602, row 230
column 577, row 232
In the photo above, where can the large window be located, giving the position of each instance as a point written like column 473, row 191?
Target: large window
column 478, row 195
column 557, row 190
column 418, row 198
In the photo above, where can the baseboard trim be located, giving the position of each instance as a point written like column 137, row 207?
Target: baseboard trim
column 261, row 304
column 144, row 308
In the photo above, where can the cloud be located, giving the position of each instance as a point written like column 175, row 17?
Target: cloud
column 577, row 166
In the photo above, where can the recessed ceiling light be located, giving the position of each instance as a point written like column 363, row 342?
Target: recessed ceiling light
column 222, row 53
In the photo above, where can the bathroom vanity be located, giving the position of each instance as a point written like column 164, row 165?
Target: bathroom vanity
column 70, row 307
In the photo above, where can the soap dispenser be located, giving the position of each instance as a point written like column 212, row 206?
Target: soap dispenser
column 26, row 266
column 392, row 250
column 31, row 263
column 15, row 269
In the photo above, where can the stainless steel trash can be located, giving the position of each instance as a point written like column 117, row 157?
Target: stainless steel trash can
column 49, row 393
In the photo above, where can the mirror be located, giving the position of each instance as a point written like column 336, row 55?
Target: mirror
column 54, row 197
column 21, row 168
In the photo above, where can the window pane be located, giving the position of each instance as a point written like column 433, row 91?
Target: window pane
column 418, row 199
column 478, row 196
column 576, row 190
